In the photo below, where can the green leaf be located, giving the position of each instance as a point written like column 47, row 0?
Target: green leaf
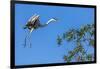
column 89, row 57
column 65, row 58
column 59, row 40
column 91, row 42
column 80, row 37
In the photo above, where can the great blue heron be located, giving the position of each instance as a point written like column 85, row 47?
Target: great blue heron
column 34, row 23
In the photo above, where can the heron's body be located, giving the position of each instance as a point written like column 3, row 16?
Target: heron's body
column 34, row 23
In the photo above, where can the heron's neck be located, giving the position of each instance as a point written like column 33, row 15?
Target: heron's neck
column 49, row 21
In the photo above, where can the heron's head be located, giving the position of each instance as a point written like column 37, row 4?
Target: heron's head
column 55, row 19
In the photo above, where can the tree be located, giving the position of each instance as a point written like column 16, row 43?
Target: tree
column 81, row 36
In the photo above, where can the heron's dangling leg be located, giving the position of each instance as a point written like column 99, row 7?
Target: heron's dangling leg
column 25, row 41
column 28, row 38
column 30, row 44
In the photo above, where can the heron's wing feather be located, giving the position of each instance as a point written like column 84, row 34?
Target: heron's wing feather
column 31, row 18
column 37, row 23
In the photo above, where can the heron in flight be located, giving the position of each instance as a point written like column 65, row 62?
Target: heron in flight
column 34, row 23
